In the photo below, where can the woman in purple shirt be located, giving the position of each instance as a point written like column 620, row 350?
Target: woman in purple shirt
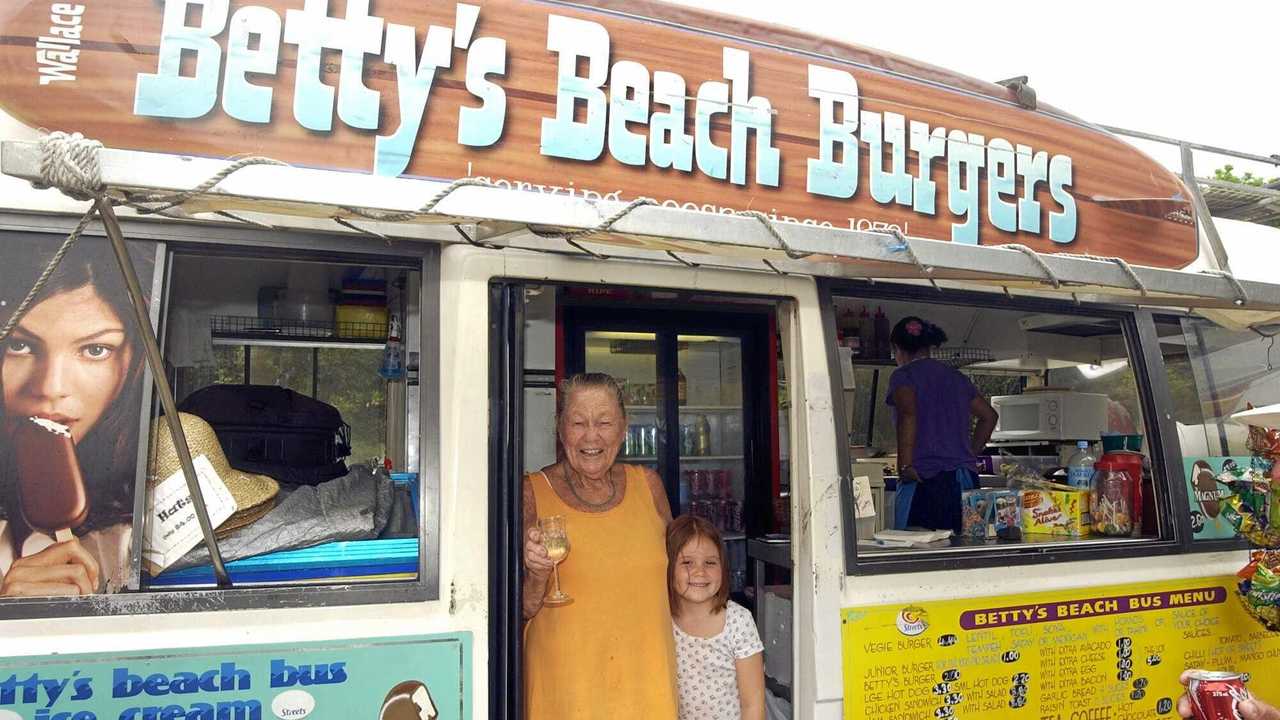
column 937, row 440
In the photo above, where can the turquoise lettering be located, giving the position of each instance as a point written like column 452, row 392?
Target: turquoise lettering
column 834, row 172
column 167, row 93
column 563, row 136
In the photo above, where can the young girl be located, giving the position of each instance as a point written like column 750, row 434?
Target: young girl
column 719, row 657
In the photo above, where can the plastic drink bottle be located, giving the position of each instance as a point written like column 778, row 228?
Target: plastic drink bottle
column 1080, row 466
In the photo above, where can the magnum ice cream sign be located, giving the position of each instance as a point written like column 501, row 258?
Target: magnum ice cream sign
column 1207, row 494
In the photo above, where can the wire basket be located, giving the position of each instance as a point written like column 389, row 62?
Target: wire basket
column 282, row 328
column 961, row 356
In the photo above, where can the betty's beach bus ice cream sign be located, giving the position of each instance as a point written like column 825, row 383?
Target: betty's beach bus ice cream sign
column 569, row 99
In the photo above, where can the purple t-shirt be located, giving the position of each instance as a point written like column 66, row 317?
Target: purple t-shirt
column 943, row 429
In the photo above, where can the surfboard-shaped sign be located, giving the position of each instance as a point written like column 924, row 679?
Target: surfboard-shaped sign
column 690, row 109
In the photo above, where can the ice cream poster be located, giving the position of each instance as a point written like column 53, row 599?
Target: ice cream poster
column 398, row 678
column 1208, row 497
column 72, row 374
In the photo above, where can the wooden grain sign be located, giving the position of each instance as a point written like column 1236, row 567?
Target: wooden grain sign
column 583, row 100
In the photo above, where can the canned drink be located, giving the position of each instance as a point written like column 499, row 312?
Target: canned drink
column 713, row 512
column 1216, row 695
column 700, row 484
column 723, row 487
column 726, row 515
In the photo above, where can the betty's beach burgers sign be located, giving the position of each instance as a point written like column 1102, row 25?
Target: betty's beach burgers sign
column 694, row 110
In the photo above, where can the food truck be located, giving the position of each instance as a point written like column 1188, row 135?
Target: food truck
column 724, row 215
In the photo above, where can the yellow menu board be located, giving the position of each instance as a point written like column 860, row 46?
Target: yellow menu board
column 1102, row 653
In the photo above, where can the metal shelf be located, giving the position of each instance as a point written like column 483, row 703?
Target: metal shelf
column 279, row 329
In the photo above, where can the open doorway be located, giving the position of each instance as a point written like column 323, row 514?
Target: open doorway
column 707, row 410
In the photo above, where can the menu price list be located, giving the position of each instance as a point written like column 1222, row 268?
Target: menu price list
column 1105, row 653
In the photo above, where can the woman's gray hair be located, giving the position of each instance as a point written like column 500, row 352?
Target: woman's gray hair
column 589, row 381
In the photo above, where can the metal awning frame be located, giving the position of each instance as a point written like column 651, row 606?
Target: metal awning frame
column 499, row 217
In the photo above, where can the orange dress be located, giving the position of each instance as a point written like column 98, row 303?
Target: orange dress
column 610, row 654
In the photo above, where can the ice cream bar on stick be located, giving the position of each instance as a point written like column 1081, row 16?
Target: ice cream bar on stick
column 50, row 484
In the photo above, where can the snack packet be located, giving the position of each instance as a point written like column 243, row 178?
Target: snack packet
column 975, row 509
column 1264, row 588
column 1264, row 441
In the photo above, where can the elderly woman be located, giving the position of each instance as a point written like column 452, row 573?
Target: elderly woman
column 609, row 653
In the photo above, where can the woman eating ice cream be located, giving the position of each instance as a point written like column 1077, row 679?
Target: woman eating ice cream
column 73, row 364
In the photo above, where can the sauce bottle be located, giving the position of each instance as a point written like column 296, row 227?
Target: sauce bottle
column 881, row 333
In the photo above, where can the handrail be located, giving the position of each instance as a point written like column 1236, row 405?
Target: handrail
column 1273, row 159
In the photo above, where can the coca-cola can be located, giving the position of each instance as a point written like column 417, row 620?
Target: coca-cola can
column 1216, row 695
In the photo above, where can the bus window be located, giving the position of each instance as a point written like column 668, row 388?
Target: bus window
column 1213, row 373
column 300, row 433
column 1056, row 377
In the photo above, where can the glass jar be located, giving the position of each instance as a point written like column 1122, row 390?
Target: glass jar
column 1111, row 502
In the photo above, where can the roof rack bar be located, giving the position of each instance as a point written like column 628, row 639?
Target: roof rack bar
column 1202, row 209
column 1273, row 159
column 837, row 252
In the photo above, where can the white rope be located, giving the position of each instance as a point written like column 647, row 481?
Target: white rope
column 607, row 223
column 603, row 226
column 1039, row 261
column 69, row 162
column 1242, row 296
column 773, row 230
column 151, row 203
column 902, row 244
column 427, row 207
column 1123, row 264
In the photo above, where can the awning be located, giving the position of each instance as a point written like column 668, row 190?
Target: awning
column 500, row 217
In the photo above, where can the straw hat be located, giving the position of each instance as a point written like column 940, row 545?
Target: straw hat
column 254, row 494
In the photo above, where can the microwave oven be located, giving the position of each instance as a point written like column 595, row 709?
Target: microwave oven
column 1050, row 415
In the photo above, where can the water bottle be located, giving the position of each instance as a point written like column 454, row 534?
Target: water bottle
column 392, row 367
column 1080, row 466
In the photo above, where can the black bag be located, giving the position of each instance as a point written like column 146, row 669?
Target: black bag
column 275, row 431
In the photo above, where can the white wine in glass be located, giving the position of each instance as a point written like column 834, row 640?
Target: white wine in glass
column 556, row 541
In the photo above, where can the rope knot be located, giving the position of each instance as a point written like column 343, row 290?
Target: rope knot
column 69, row 162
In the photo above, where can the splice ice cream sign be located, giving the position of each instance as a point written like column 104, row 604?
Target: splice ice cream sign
column 607, row 109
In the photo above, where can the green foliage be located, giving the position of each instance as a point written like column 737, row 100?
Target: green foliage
column 1226, row 173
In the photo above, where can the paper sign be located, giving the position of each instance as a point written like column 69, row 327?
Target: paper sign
column 172, row 527
column 863, row 505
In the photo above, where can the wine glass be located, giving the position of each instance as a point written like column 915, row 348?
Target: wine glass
column 556, row 542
